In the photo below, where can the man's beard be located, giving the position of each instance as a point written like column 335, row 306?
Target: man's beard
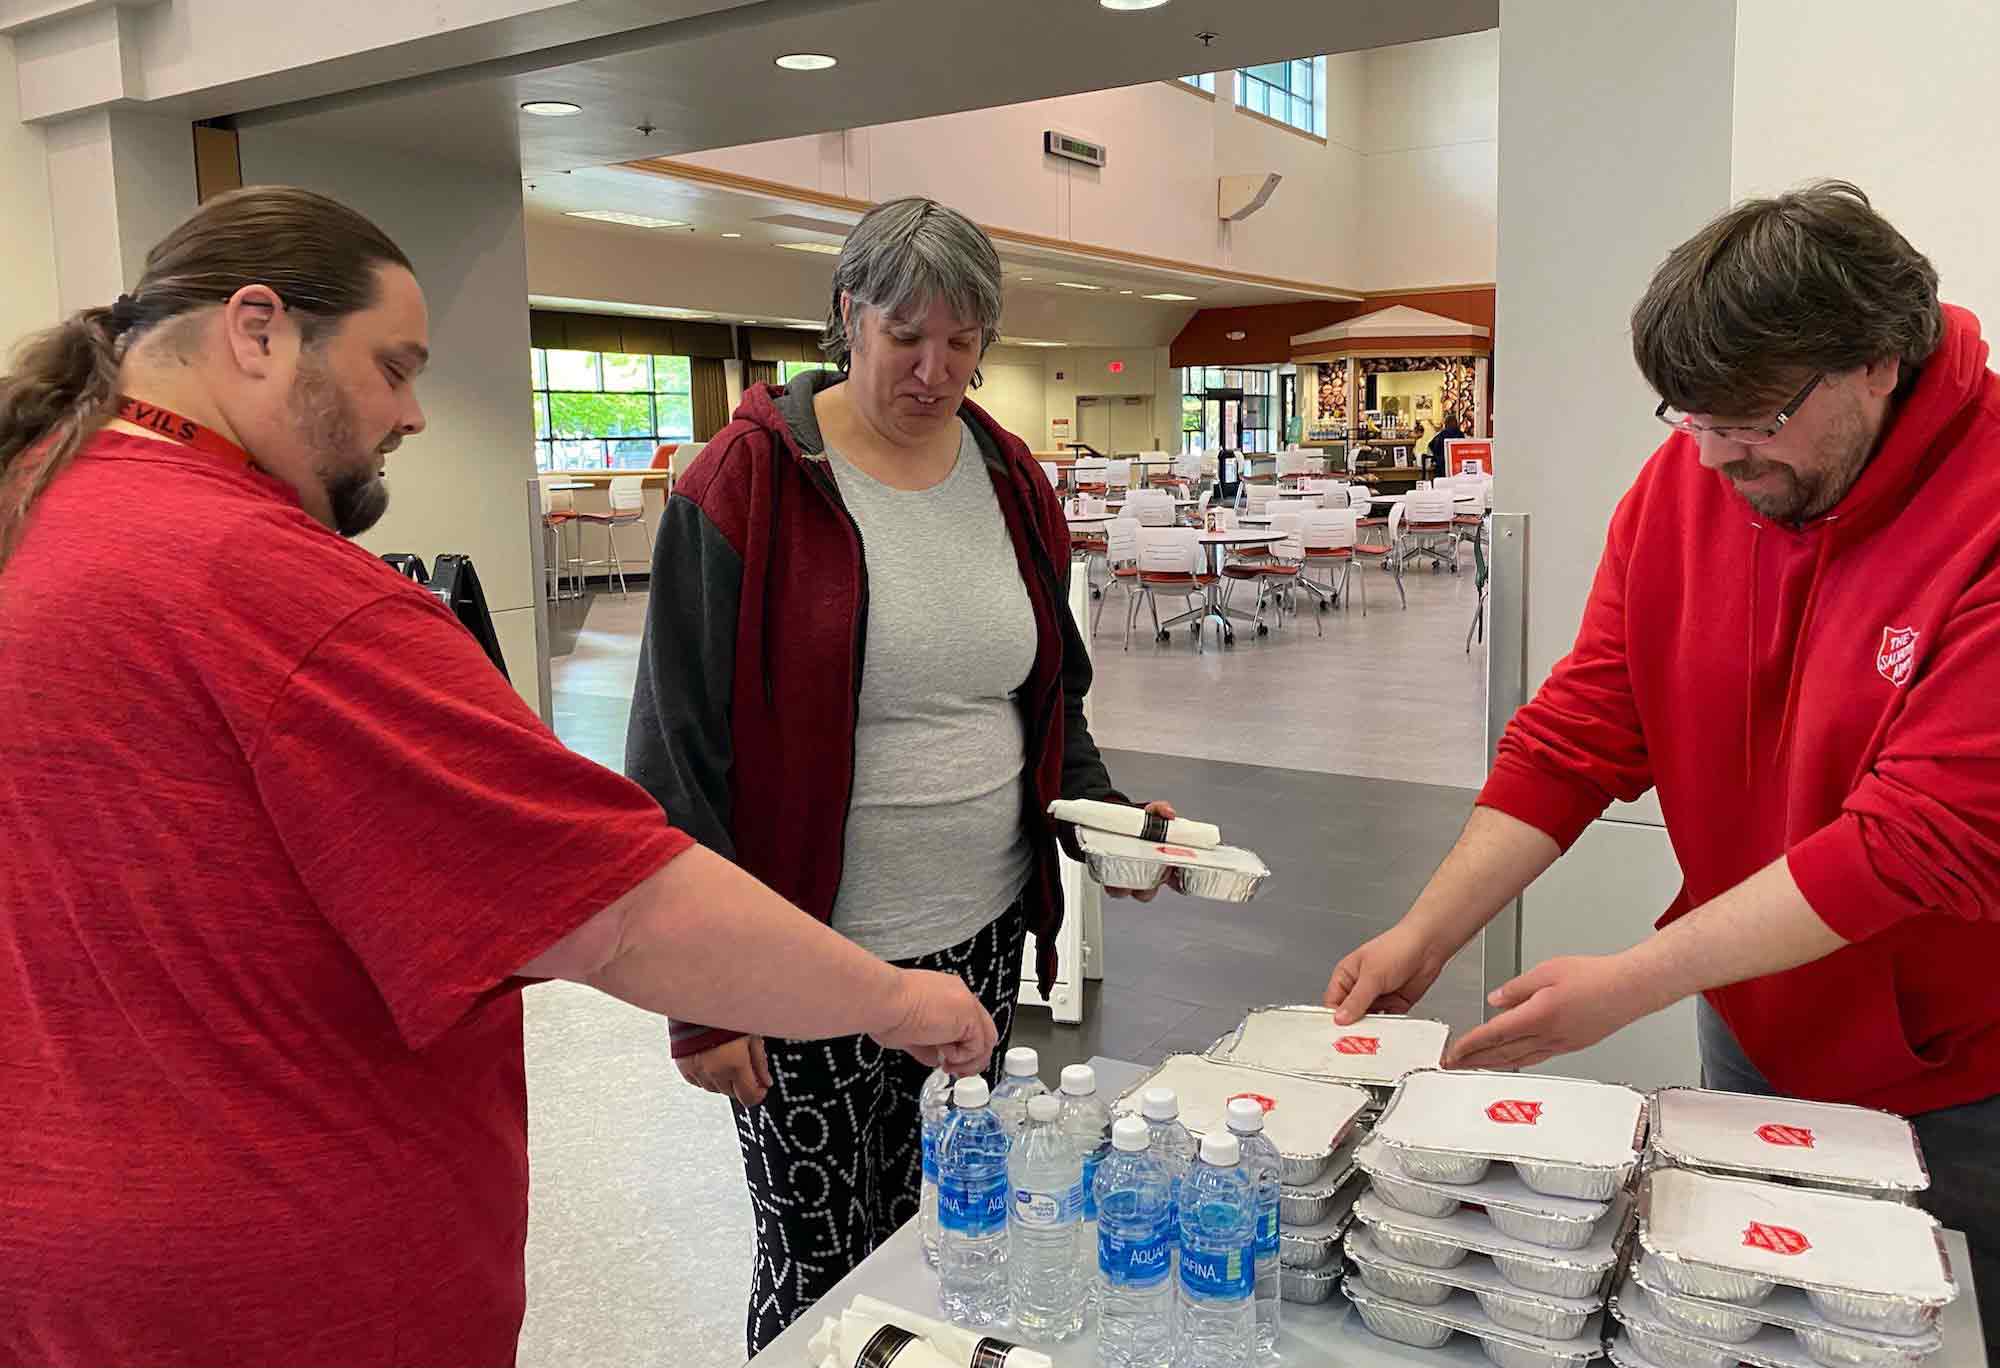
column 357, row 495
column 1840, row 457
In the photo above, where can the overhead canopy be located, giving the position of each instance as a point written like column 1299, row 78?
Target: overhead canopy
column 1396, row 329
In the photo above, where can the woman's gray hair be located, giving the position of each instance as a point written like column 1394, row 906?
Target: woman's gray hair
column 901, row 257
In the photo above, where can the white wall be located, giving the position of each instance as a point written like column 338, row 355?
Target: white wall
column 27, row 239
column 1430, row 173
column 1906, row 121
column 461, row 486
column 1014, row 393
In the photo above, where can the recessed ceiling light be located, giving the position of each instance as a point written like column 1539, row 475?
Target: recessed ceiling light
column 551, row 109
column 629, row 220
column 1131, row 5
column 807, row 61
column 1029, row 342
column 1172, row 298
column 1077, row 285
column 732, row 235
column 1027, row 277
column 823, row 248
column 1124, row 292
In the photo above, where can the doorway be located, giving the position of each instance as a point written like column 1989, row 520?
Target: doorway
column 1093, row 423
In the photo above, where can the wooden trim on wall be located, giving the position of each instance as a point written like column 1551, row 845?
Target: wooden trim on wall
column 218, row 162
column 1429, row 290
column 1281, row 124
column 1396, row 346
column 729, row 180
column 1179, row 84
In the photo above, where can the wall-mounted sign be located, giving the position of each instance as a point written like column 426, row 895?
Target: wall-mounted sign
column 1073, row 149
column 1469, row 457
column 1060, row 429
column 1116, row 367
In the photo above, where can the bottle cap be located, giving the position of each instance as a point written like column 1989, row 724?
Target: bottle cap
column 1221, row 1150
column 1023, row 1062
column 970, row 1092
column 1246, row 1116
column 1130, row 1134
column 1079, row 1080
column 1043, row 1107
column 1160, row 1104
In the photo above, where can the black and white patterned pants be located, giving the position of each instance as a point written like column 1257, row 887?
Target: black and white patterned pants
column 833, row 1154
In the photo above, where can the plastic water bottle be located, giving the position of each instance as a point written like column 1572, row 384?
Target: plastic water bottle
column 1019, row 1081
column 1087, row 1123
column 972, row 1209
column 933, row 1106
column 1135, row 1241
column 1266, row 1168
column 1042, row 1214
column 1218, row 1269
column 1172, row 1145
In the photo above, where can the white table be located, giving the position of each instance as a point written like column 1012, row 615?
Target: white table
column 1212, row 605
column 1090, row 519
column 1325, row 1334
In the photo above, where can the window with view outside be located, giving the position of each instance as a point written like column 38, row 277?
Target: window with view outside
column 1291, row 92
column 788, row 369
column 607, row 410
column 1205, row 81
column 1248, row 424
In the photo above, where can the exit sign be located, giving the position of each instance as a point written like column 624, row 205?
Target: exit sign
column 1117, row 368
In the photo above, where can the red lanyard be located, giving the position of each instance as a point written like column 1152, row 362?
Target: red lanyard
column 186, row 431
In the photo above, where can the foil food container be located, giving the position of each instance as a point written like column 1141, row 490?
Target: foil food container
column 1545, row 1317
column 1788, row 1309
column 1862, row 1264
column 1332, row 1192
column 1431, row 1327
column 1444, row 1242
column 1814, row 1144
column 1707, row 1320
column 1375, row 1052
column 1315, row 1245
column 1307, row 1120
column 1224, row 873
column 1309, row 1286
column 1566, row 1137
column 1514, row 1207
column 1649, row 1319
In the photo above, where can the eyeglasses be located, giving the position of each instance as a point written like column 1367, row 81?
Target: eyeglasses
column 1740, row 435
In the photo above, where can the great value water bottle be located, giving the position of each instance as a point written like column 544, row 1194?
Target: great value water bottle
column 972, row 1209
column 933, row 1107
column 1042, row 1214
column 1217, row 1278
column 1172, row 1145
column 1087, row 1123
column 1019, row 1081
column 1135, row 1240
column 1266, row 1169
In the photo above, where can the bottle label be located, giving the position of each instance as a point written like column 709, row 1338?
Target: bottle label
column 1130, row 1262
column 1090, row 1163
column 1267, row 1228
column 1045, row 1210
column 972, row 1207
column 930, row 1156
column 1223, row 1275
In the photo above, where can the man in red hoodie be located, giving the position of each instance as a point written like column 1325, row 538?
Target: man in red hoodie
column 1794, row 639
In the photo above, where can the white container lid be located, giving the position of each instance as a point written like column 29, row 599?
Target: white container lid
column 1813, row 1141
column 1304, row 1117
column 1079, row 1080
column 1376, row 1050
column 1131, row 1134
column 1160, row 1104
column 1516, row 1117
column 1246, row 1116
column 1232, row 859
column 1043, row 1107
column 1023, row 1062
column 970, row 1092
column 1220, row 1149
column 1799, row 1236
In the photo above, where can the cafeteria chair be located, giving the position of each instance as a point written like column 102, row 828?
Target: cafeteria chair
column 1170, row 562
column 558, row 512
column 1291, row 465
column 1257, row 497
column 1387, row 551
column 1152, row 507
column 1052, row 472
column 1117, row 477
column 1201, row 508
column 1429, row 524
column 1121, row 556
column 1278, row 571
column 1088, row 477
column 628, row 507
column 1185, row 477
column 1329, row 545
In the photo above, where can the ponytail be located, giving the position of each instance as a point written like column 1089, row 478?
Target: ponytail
column 61, row 389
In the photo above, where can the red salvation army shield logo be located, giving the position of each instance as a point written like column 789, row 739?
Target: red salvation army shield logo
column 1897, row 657
column 1514, row 1112
column 1357, row 1045
column 1269, row 1104
column 1775, row 1238
column 1798, row 1137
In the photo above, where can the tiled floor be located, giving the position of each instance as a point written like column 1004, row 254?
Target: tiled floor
column 1346, row 761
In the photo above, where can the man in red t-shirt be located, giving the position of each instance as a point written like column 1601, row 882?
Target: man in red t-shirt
column 281, row 847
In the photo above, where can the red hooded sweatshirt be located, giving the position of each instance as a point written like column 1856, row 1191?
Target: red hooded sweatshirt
column 1827, row 692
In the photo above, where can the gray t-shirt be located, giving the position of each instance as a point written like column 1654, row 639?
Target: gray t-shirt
column 935, row 848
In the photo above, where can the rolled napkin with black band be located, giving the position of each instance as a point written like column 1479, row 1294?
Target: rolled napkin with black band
column 872, row 1333
column 1121, row 820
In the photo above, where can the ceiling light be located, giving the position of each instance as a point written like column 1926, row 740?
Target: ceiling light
column 629, row 220
column 807, row 61
column 732, row 235
column 1027, row 278
column 551, row 109
column 823, row 248
column 1129, row 6
column 1029, row 342
column 1172, row 298
column 1124, row 292
column 1077, row 285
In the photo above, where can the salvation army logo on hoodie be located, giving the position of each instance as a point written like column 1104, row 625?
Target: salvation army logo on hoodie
column 1898, row 654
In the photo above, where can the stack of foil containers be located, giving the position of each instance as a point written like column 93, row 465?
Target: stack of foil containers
column 1780, row 1233
column 1497, row 1210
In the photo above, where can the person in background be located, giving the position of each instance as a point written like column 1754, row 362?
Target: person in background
column 283, row 847
column 1436, row 454
column 1794, row 638
column 861, row 681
